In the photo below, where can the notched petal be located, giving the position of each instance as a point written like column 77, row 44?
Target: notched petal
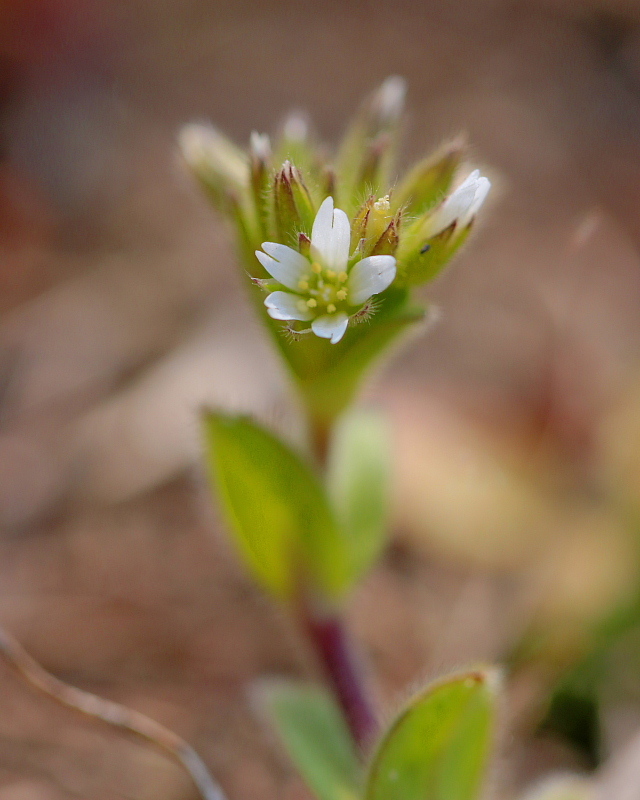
column 370, row 276
column 330, row 326
column 322, row 226
column 283, row 263
column 287, row 306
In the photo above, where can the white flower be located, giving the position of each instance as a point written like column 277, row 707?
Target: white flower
column 461, row 206
column 323, row 290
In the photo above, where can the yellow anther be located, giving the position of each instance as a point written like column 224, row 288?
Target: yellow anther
column 304, row 285
column 316, row 267
column 331, row 308
column 341, row 294
column 330, row 274
column 312, row 303
column 342, row 276
column 302, row 306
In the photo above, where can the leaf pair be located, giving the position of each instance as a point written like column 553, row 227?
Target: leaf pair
column 436, row 749
column 290, row 529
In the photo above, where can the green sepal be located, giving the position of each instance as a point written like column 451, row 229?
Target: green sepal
column 375, row 169
column 439, row 746
column 276, row 508
column 430, row 180
column 260, row 165
column 359, row 223
column 421, row 260
column 302, row 198
column 387, row 244
column 295, row 144
column 312, row 730
column 329, row 375
column 293, row 208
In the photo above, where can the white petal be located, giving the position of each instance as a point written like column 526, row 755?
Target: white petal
column 322, row 225
column 461, row 205
column 471, row 178
column 338, row 250
column 284, row 305
column 456, row 205
column 330, row 326
column 331, row 236
column 482, row 190
column 283, row 263
column 370, row 276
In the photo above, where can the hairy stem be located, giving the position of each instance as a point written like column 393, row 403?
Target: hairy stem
column 112, row 713
column 344, row 673
column 328, row 634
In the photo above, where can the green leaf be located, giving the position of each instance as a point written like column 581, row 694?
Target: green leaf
column 437, row 749
column 311, row 728
column 358, row 484
column 570, row 787
column 276, row 507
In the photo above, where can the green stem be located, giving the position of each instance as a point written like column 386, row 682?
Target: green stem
column 330, row 639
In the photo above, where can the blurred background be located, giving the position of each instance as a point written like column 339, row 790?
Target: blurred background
column 516, row 419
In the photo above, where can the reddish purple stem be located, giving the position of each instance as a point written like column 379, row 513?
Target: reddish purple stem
column 343, row 670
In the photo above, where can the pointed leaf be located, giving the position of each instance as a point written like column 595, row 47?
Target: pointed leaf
column 313, row 732
column 437, row 749
column 276, row 508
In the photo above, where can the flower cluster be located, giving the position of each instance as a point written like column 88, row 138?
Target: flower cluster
column 330, row 235
column 322, row 287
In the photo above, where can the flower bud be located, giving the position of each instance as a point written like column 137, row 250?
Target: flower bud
column 294, row 143
column 293, row 207
column 373, row 174
column 430, row 179
column 432, row 240
column 375, row 228
column 302, row 199
column 219, row 165
column 260, row 159
column 387, row 103
column 367, row 150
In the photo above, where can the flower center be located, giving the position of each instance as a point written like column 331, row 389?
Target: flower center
column 322, row 289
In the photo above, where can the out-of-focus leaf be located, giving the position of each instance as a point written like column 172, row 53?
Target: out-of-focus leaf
column 311, row 728
column 358, row 483
column 566, row 787
column 573, row 714
column 573, row 710
column 437, row 749
column 276, row 508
